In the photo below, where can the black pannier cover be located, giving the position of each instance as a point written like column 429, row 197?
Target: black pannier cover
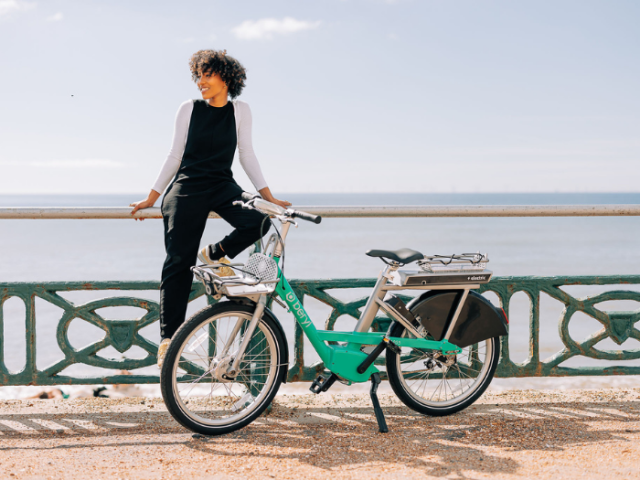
column 478, row 321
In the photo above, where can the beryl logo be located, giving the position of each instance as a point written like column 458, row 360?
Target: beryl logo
column 300, row 313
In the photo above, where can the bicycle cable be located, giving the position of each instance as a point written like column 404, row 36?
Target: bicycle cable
column 261, row 227
column 281, row 242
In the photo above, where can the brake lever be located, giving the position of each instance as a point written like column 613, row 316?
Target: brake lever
column 285, row 219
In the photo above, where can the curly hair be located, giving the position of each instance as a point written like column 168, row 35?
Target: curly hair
column 217, row 61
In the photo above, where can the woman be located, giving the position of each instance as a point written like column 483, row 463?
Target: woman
column 206, row 134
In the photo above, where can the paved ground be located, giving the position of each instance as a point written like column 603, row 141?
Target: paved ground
column 515, row 434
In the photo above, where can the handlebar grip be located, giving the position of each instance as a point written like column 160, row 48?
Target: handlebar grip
column 246, row 196
column 309, row 217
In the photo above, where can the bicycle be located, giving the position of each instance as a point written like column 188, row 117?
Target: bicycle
column 226, row 363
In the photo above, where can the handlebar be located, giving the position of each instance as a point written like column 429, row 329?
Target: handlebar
column 309, row 217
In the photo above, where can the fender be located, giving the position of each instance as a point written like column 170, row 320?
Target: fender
column 479, row 320
column 269, row 313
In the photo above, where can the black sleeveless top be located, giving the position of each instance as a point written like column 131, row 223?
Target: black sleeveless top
column 208, row 154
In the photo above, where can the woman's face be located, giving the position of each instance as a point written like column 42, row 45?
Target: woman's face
column 211, row 85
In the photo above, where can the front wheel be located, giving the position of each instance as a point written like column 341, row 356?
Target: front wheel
column 435, row 384
column 195, row 386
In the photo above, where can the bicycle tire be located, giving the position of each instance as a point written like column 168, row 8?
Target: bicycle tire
column 425, row 406
column 179, row 407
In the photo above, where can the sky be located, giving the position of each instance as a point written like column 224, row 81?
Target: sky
column 346, row 95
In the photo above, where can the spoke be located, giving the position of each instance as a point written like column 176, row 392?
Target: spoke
column 450, row 389
column 211, row 390
column 426, row 380
column 460, row 377
column 434, row 392
column 193, row 385
column 445, row 371
column 191, row 367
column 230, row 330
column 257, row 354
column 444, row 388
column 470, row 369
column 417, row 379
column 229, row 391
column 195, row 352
column 200, row 377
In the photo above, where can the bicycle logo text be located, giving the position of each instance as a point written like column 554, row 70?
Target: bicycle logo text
column 300, row 313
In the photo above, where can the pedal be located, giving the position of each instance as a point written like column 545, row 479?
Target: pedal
column 322, row 384
column 382, row 423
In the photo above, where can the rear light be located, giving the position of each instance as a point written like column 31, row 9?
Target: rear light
column 505, row 315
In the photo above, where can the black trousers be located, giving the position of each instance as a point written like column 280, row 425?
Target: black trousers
column 185, row 217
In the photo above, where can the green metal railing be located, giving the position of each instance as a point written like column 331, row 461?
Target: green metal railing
column 123, row 334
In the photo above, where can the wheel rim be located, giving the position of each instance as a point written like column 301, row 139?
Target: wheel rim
column 443, row 385
column 200, row 395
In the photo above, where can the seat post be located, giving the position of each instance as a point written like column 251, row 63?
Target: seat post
column 371, row 308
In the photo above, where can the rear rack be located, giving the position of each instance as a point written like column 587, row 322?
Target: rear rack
column 438, row 271
column 464, row 262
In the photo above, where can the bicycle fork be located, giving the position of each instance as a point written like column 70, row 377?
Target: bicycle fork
column 248, row 333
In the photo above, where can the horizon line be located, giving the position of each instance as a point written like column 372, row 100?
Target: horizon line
column 359, row 193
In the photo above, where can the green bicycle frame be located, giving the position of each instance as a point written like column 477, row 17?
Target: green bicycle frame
column 343, row 360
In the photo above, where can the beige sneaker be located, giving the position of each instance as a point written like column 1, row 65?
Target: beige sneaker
column 162, row 351
column 224, row 271
column 203, row 256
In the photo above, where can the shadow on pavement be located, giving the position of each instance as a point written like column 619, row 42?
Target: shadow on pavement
column 327, row 438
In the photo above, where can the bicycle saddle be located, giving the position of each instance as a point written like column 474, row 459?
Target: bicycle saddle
column 404, row 255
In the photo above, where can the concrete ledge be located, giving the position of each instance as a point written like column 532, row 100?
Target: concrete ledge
column 514, row 434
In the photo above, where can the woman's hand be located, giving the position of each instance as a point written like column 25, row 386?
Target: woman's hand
column 146, row 203
column 266, row 194
column 282, row 203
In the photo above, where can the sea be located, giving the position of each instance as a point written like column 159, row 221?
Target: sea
column 90, row 250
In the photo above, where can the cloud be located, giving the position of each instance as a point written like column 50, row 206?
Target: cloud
column 266, row 28
column 9, row 6
column 56, row 17
column 83, row 164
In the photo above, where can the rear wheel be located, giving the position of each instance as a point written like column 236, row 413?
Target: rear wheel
column 193, row 387
column 435, row 384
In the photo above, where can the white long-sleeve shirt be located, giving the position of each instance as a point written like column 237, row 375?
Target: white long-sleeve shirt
column 248, row 160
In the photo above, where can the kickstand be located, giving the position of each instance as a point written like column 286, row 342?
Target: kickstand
column 382, row 423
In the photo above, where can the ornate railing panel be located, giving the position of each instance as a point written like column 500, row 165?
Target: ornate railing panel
column 123, row 334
